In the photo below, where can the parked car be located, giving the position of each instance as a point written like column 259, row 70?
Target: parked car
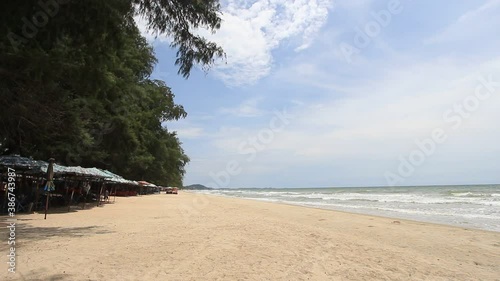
column 171, row 190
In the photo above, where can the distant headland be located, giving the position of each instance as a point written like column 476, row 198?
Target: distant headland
column 196, row 187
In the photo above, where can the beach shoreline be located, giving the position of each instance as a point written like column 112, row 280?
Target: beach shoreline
column 351, row 212
column 468, row 206
column 192, row 236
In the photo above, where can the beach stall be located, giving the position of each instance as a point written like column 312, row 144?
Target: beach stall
column 71, row 184
column 23, row 185
column 119, row 186
column 147, row 187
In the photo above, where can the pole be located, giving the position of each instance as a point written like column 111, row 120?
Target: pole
column 4, row 204
column 66, row 187
column 85, row 200
column 46, row 204
column 37, row 194
column 50, row 184
column 71, row 199
column 100, row 193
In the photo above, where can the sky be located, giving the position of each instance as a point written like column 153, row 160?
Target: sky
column 318, row 93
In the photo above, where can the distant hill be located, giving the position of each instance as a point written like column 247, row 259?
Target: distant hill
column 196, row 186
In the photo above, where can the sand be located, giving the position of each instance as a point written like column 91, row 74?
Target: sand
column 198, row 237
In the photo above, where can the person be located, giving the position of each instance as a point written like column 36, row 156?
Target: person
column 106, row 195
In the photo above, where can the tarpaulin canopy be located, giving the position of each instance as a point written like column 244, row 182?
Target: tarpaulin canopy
column 112, row 177
column 39, row 168
column 16, row 161
column 145, row 183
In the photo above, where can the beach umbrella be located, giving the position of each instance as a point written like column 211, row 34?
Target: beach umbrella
column 49, row 186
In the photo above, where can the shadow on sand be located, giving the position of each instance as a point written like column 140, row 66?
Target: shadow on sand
column 33, row 275
column 30, row 233
column 58, row 210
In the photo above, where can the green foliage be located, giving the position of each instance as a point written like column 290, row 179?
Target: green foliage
column 177, row 19
column 75, row 85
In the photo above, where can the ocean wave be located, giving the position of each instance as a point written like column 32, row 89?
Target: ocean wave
column 472, row 194
column 479, row 208
column 449, row 213
column 397, row 198
column 412, row 198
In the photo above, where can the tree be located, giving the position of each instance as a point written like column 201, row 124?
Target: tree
column 75, row 76
column 177, row 19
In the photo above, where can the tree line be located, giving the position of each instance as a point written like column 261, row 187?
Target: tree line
column 75, row 82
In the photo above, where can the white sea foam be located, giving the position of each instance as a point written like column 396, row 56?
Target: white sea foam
column 473, row 206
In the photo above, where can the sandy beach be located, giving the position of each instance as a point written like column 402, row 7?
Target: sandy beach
column 198, row 237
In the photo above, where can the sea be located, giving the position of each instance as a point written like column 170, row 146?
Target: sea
column 468, row 206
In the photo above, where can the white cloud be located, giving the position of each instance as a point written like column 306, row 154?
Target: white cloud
column 369, row 131
column 189, row 133
column 251, row 31
column 476, row 24
column 405, row 104
column 248, row 108
column 353, row 121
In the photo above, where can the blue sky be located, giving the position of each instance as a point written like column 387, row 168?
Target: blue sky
column 344, row 93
